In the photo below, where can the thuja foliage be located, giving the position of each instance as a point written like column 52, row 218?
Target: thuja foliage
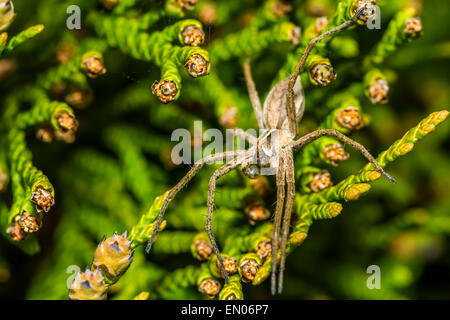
column 86, row 156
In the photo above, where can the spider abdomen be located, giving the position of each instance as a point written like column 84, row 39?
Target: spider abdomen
column 275, row 111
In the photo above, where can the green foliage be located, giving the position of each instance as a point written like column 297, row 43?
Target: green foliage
column 118, row 75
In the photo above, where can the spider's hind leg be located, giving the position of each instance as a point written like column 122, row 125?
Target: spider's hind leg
column 184, row 181
column 281, row 183
column 290, row 181
column 211, row 190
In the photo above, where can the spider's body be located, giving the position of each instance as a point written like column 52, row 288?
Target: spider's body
column 272, row 153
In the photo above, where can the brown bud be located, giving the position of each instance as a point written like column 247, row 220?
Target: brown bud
column 369, row 10
column 109, row 4
column 166, row 90
column 29, row 223
column 323, row 74
column 193, row 36
column 65, row 136
column 3, row 180
column 64, row 53
column 320, row 181
column 78, row 98
column 228, row 118
column 16, row 232
column 295, row 36
column 249, row 268
column 230, row 264
column 280, row 8
column 57, row 91
column 350, row 118
column 43, row 199
column 335, row 153
column 169, row 162
column 187, row 4
column 67, row 122
column 45, row 134
column 7, row 66
column 113, row 256
column 203, row 250
column 264, row 249
column 196, row 65
column 379, row 91
column 208, row 13
column 260, row 185
column 93, row 66
column 88, row 285
column 209, row 287
column 321, row 24
column 257, row 212
column 413, row 27
column 316, row 8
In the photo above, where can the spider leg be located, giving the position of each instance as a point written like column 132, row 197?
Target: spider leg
column 192, row 172
column 211, row 190
column 280, row 177
column 310, row 137
column 293, row 78
column 253, row 94
column 290, row 181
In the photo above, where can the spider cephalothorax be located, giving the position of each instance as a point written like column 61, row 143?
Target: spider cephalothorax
column 272, row 153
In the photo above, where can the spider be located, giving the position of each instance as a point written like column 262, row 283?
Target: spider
column 273, row 150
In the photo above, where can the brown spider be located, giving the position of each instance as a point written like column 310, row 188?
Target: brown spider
column 273, row 150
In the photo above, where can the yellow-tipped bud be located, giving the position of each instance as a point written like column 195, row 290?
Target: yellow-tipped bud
column 113, row 256
column 7, row 14
column 88, row 285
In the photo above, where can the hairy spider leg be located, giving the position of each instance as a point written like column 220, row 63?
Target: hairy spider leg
column 211, row 190
column 192, row 172
column 293, row 78
column 310, row 137
column 281, row 183
column 253, row 94
column 290, row 181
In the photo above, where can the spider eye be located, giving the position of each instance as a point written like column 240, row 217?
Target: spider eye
column 251, row 171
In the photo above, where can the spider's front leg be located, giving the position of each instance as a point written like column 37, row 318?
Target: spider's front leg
column 253, row 94
column 211, row 190
column 293, row 120
column 310, row 137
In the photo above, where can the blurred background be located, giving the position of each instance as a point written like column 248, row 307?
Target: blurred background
column 403, row 228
